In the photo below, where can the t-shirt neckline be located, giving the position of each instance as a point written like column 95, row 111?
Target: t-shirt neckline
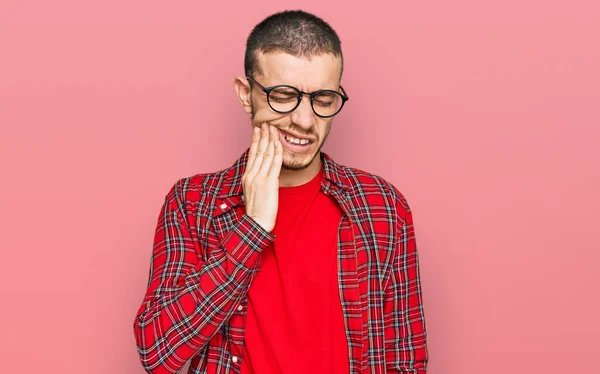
column 313, row 184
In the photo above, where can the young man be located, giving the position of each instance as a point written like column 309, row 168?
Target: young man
column 286, row 262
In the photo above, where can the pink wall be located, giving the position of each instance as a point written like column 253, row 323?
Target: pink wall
column 488, row 125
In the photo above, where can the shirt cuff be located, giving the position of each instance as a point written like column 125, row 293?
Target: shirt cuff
column 246, row 241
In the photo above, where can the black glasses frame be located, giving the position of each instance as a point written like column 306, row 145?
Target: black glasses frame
column 312, row 95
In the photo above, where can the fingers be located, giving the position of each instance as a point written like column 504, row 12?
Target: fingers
column 264, row 137
column 263, row 143
column 269, row 152
column 253, row 147
column 275, row 167
column 274, row 135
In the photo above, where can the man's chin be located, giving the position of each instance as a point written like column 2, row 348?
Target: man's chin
column 296, row 163
column 294, row 167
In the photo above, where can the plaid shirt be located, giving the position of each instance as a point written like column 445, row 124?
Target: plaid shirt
column 207, row 251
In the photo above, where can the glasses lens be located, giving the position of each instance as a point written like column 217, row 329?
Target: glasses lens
column 283, row 98
column 327, row 103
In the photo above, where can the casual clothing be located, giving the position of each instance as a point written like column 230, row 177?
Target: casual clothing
column 295, row 322
column 207, row 252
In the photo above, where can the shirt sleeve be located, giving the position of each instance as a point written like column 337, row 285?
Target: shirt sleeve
column 405, row 335
column 188, row 299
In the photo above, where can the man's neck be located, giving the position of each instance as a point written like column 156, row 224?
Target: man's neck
column 293, row 178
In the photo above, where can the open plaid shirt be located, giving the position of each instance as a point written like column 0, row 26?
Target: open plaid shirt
column 207, row 250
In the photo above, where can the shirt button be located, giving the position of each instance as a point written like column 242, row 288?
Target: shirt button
column 240, row 308
column 223, row 206
column 234, row 359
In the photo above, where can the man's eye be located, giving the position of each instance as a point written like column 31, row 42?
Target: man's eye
column 282, row 99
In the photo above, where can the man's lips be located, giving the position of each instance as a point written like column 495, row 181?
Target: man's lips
column 292, row 146
column 285, row 133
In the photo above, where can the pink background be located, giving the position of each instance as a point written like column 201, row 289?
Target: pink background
column 488, row 125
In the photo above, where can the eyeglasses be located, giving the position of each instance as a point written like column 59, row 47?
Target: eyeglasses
column 285, row 99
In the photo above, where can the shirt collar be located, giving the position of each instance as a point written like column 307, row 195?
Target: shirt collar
column 231, row 184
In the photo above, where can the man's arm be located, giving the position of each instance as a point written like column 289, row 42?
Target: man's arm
column 405, row 335
column 188, row 299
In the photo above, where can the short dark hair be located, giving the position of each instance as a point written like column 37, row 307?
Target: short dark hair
column 295, row 32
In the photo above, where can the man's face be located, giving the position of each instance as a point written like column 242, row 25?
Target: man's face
column 320, row 72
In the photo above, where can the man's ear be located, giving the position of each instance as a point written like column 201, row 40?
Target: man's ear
column 242, row 89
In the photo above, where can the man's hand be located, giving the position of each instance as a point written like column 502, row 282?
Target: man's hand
column 261, row 178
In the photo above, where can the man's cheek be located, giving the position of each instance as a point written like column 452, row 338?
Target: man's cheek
column 267, row 116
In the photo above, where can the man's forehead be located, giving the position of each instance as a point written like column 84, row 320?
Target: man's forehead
column 311, row 71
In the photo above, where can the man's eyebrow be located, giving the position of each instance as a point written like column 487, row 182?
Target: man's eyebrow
column 280, row 83
column 319, row 89
column 328, row 93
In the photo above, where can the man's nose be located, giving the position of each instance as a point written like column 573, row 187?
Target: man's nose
column 303, row 115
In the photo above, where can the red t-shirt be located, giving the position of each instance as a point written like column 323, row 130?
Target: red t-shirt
column 294, row 322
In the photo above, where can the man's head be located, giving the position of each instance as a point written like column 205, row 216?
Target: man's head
column 297, row 49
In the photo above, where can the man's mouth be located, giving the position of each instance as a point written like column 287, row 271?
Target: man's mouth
column 294, row 142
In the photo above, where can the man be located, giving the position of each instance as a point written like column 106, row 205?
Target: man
column 286, row 262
